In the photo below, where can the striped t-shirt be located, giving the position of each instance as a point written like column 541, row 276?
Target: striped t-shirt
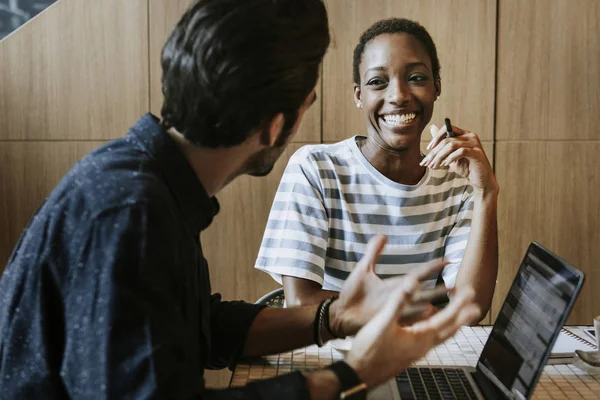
column 331, row 201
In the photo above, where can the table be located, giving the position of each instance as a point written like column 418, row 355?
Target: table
column 556, row 382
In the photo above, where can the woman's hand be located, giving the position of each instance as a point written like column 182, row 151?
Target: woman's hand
column 463, row 154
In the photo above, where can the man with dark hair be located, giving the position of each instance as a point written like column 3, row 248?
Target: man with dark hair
column 107, row 294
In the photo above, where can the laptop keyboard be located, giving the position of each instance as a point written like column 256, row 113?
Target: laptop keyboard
column 434, row 384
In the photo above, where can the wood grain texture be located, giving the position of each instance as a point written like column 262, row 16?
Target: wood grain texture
column 30, row 171
column 77, row 71
column 550, row 194
column 164, row 15
column 232, row 242
column 548, row 70
column 464, row 33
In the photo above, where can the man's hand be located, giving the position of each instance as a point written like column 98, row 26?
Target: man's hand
column 384, row 348
column 364, row 293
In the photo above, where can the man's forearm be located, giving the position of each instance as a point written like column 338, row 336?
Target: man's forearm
column 314, row 297
column 276, row 330
column 479, row 266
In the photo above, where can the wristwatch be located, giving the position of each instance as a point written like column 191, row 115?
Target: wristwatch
column 352, row 387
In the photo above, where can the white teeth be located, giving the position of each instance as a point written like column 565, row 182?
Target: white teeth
column 399, row 119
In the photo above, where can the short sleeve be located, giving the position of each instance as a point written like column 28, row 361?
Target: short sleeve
column 297, row 232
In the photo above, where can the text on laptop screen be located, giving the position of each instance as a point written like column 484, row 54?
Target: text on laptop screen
column 536, row 302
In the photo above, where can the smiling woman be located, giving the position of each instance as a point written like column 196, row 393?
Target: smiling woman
column 333, row 198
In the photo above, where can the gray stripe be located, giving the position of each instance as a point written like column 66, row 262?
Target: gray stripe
column 359, row 198
column 378, row 219
column 456, row 239
column 358, row 237
column 336, row 273
column 266, row 262
column 299, row 188
column 463, row 223
column 335, row 160
column 298, row 226
column 437, row 181
column 297, row 169
column 350, row 256
column 354, row 179
column 301, row 208
column 270, row 243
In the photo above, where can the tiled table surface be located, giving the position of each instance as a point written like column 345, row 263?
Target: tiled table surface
column 557, row 381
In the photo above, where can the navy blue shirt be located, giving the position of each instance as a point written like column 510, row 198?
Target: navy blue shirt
column 107, row 294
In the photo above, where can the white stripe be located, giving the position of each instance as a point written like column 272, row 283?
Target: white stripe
column 456, row 247
column 277, row 271
column 279, row 253
column 299, row 198
column 295, row 235
column 293, row 215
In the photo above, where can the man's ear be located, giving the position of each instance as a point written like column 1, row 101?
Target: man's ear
column 272, row 130
column 438, row 88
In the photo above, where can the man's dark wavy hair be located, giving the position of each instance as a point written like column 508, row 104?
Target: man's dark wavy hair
column 230, row 66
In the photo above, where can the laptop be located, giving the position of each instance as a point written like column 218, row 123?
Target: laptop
column 513, row 358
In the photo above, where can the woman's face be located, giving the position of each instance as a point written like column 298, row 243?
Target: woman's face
column 397, row 89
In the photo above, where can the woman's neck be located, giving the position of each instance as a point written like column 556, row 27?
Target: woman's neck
column 401, row 166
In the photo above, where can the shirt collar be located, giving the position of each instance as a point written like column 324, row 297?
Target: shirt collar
column 198, row 208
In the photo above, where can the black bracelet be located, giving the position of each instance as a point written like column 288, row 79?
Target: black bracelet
column 352, row 387
column 317, row 324
column 321, row 318
column 326, row 322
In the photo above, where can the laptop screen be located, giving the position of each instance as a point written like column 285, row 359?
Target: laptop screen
column 531, row 317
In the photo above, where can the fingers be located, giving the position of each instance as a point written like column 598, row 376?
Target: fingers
column 437, row 135
column 461, row 150
column 461, row 153
column 443, row 148
column 430, row 295
column 448, row 321
column 421, row 304
column 374, row 249
column 400, row 299
column 429, row 270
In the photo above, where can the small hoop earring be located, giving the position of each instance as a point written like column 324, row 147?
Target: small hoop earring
column 358, row 105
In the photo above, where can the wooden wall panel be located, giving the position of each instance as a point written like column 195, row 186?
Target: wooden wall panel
column 464, row 32
column 164, row 14
column 77, row 71
column 548, row 70
column 30, row 170
column 550, row 194
column 232, row 242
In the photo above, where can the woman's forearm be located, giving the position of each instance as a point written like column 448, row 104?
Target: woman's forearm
column 479, row 266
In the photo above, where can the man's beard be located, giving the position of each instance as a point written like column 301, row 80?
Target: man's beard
column 261, row 171
column 262, row 163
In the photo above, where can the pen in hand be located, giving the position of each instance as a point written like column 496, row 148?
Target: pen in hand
column 449, row 131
